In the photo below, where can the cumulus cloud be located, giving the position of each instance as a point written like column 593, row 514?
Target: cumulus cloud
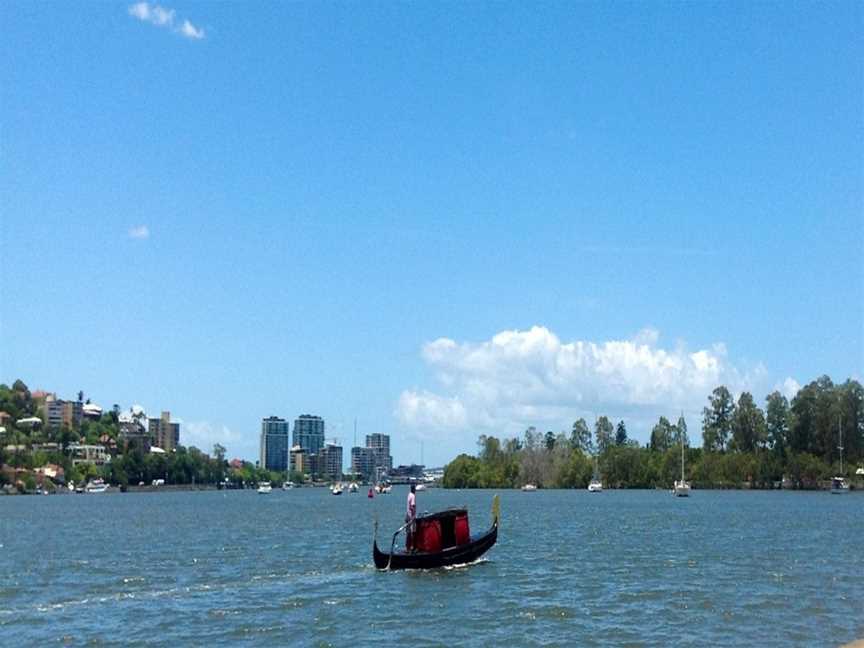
column 190, row 31
column 521, row 378
column 162, row 17
column 789, row 388
column 204, row 435
column 139, row 232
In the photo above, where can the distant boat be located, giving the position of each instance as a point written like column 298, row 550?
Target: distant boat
column 420, row 487
column 596, row 484
column 383, row 488
column 529, row 488
column 353, row 487
column 681, row 488
column 336, row 489
column 264, row 488
column 288, row 485
column 839, row 484
column 96, row 486
column 371, row 493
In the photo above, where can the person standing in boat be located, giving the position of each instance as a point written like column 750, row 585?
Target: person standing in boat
column 410, row 515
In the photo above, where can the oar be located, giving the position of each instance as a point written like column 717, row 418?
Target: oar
column 496, row 509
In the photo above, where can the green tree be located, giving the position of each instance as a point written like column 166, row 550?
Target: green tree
column 580, row 437
column 661, row 435
column 777, row 422
column 621, row 434
column 603, row 434
column 748, row 425
column 717, row 420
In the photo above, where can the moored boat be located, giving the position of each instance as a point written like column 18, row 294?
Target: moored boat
column 264, row 488
column 96, row 486
column 288, row 485
column 839, row 484
column 440, row 539
column 681, row 488
column 336, row 489
column 596, row 484
column 529, row 488
column 353, row 487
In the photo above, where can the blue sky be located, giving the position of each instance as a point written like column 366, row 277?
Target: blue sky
column 440, row 220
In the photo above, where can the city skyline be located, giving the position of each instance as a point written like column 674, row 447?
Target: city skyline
column 440, row 221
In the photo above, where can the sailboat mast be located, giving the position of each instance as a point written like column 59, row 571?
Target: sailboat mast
column 840, row 435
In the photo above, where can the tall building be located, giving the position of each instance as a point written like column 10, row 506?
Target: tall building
column 163, row 433
column 299, row 461
column 60, row 413
column 331, row 461
column 380, row 444
column 275, row 447
column 363, row 462
column 309, row 433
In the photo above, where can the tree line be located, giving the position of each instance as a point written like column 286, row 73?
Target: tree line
column 794, row 443
column 25, row 448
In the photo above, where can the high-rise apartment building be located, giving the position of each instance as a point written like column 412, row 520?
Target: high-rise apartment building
column 331, row 461
column 275, row 447
column 380, row 444
column 61, row 413
column 309, row 433
column 163, row 433
column 374, row 460
column 363, row 462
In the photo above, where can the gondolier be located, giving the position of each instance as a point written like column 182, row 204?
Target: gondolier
column 410, row 517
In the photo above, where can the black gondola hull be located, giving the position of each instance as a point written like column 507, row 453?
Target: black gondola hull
column 459, row 555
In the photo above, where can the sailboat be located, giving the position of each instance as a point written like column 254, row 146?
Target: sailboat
column 681, row 487
column 840, row 485
column 596, row 484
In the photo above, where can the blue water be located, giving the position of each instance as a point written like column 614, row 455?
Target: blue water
column 570, row 568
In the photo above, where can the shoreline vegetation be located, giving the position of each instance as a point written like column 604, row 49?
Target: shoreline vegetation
column 790, row 445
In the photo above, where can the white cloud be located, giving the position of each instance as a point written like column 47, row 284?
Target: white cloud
column 521, row 378
column 139, row 232
column 190, row 31
column 789, row 388
column 162, row 17
column 203, row 435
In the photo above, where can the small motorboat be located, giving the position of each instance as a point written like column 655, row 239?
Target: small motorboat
column 336, row 489
column 440, row 539
column 264, row 488
column 288, row 485
column 420, row 487
column 353, row 487
column 595, row 486
column 96, row 486
column 529, row 488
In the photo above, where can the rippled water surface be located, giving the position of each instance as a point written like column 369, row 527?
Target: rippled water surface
column 570, row 568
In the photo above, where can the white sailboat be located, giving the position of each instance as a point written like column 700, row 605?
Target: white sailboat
column 596, row 484
column 681, row 487
column 839, row 484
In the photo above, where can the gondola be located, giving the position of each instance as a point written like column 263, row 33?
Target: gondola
column 440, row 539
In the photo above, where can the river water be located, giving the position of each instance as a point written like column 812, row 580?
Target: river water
column 570, row 568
